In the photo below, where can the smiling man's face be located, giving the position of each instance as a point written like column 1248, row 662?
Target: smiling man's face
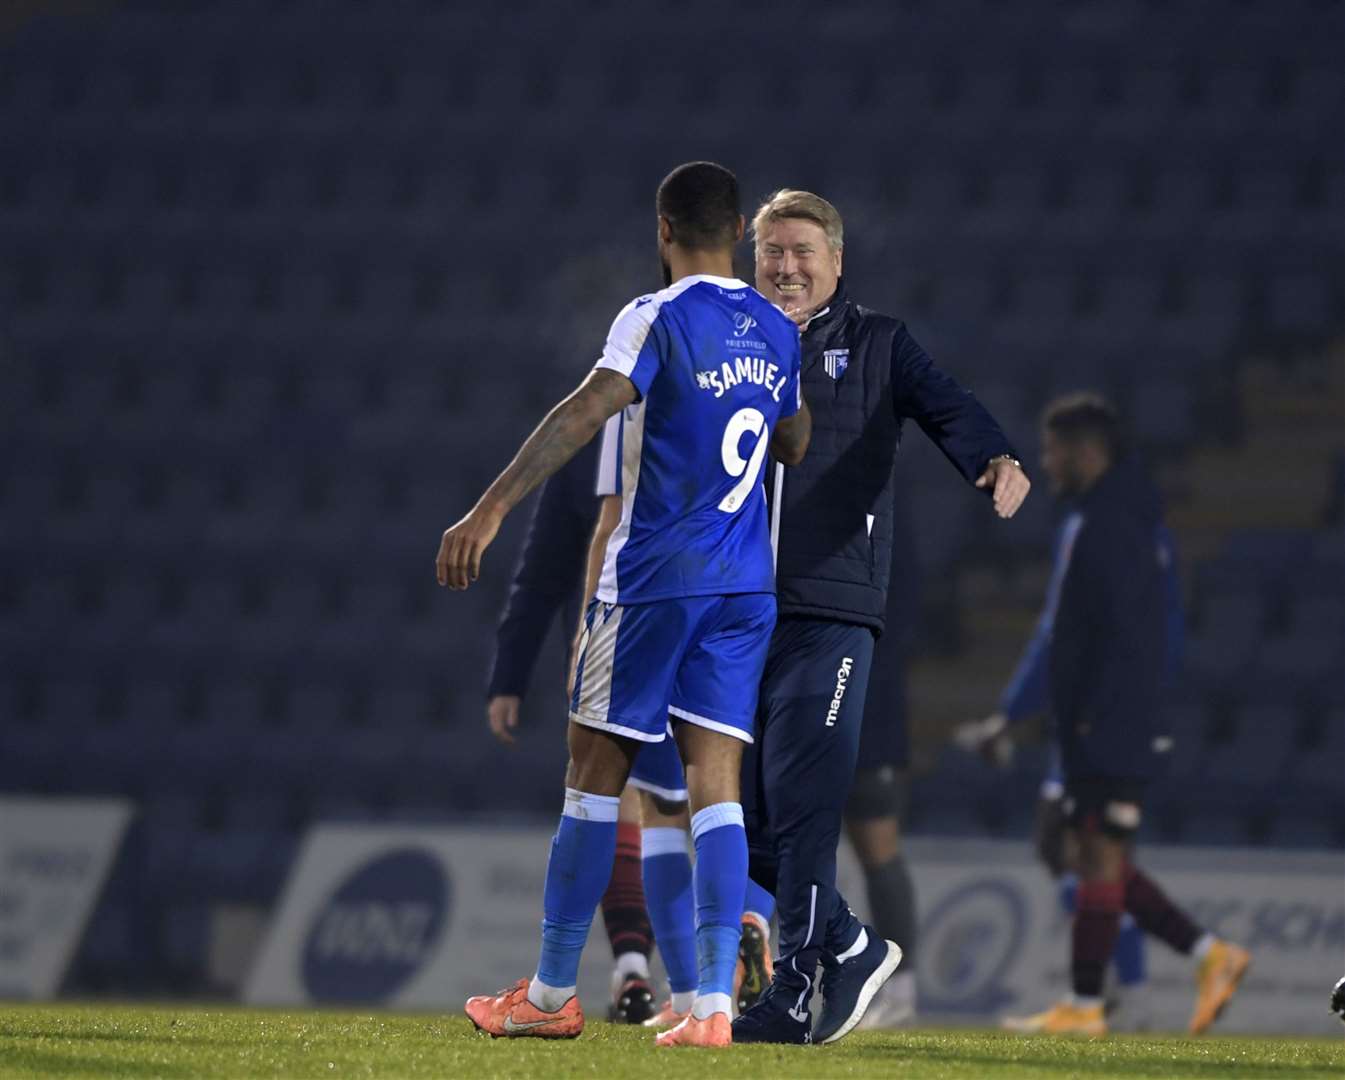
column 796, row 266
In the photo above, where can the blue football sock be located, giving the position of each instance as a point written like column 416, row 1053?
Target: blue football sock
column 1128, row 956
column 720, row 883
column 758, row 900
column 576, row 877
column 668, row 898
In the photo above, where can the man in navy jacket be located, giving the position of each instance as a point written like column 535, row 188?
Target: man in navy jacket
column 864, row 375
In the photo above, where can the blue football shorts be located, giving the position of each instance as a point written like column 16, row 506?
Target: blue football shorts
column 657, row 769
column 695, row 659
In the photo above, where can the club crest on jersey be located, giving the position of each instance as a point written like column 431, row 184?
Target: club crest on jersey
column 835, row 361
column 743, row 322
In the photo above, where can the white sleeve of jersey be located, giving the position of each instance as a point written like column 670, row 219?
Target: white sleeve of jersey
column 626, row 341
column 609, row 452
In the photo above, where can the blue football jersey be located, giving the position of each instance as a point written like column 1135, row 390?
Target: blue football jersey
column 716, row 366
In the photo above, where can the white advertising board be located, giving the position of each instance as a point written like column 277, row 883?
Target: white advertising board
column 412, row 917
column 994, row 938
column 55, row 855
column 423, row 917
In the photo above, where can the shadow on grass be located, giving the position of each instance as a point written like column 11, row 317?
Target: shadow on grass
column 52, row 1062
column 168, row 1038
column 1089, row 1060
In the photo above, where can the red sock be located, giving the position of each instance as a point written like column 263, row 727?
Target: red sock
column 1095, row 928
column 623, row 910
column 1155, row 914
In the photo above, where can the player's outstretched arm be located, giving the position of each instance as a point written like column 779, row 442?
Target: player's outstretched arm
column 567, row 427
column 790, row 441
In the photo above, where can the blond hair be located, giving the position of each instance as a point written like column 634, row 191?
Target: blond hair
column 788, row 203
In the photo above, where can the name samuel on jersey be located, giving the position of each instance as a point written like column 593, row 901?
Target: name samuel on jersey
column 744, row 369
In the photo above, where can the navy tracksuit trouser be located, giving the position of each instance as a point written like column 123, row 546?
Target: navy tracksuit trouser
column 796, row 778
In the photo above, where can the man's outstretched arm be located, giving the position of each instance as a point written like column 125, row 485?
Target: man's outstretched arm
column 567, row 427
column 958, row 425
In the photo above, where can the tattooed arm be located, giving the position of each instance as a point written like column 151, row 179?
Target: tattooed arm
column 569, row 426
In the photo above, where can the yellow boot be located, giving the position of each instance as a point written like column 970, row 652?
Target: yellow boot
column 1063, row 1018
column 1217, row 981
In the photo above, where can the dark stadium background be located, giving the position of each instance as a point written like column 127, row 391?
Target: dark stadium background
column 283, row 283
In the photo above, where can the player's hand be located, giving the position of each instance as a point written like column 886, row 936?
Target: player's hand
column 502, row 715
column 460, row 550
column 988, row 738
column 1005, row 478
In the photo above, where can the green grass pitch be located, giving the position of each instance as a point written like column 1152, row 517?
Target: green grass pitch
column 163, row 1041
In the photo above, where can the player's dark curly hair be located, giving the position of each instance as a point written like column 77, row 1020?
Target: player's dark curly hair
column 700, row 202
column 1085, row 416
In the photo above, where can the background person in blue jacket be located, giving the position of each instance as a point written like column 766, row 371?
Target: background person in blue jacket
column 547, row 581
column 1107, row 638
column 864, row 375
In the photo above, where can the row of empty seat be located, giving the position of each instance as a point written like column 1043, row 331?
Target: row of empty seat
column 285, row 281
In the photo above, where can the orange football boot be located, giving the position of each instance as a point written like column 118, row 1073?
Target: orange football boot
column 755, row 969
column 1217, row 981
column 1064, row 1018
column 714, row 1031
column 666, row 1017
column 509, row 1014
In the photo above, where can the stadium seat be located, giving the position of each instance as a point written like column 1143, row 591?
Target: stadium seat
column 1162, row 411
column 247, row 374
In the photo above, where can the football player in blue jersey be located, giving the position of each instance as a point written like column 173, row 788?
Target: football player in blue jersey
column 697, row 383
column 546, row 588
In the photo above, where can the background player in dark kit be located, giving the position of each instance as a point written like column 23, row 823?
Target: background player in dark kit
column 1028, row 694
column 1107, row 674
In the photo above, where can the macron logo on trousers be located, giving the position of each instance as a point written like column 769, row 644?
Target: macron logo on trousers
column 842, row 680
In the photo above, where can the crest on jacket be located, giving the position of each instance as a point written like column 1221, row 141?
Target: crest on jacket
column 835, row 361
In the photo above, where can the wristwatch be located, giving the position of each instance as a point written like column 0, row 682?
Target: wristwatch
column 1005, row 457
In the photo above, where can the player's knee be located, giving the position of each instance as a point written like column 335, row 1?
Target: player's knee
column 876, row 840
column 875, row 794
column 656, row 811
column 629, row 811
column 707, row 789
column 1101, row 857
column 599, row 762
column 713, row 765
